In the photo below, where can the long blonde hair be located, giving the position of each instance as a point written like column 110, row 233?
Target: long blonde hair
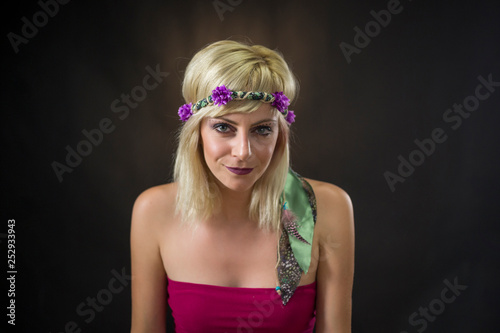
column 239, row 67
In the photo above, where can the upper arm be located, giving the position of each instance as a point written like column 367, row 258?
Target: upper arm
column 148, row 275
column 335, row 228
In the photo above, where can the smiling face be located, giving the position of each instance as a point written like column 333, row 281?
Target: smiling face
column 238, row 147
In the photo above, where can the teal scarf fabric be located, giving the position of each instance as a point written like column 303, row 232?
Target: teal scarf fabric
column 297, row 223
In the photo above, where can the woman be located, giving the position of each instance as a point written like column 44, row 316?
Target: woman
column 245, row 244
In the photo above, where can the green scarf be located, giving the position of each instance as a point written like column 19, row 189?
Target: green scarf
column 298, row 220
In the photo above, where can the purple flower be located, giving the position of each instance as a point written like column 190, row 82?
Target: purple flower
column 221, row 95
column 290, row 117
column 185, row 111
column 281, row 102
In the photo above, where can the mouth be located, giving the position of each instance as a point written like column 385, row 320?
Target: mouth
column 240, row 171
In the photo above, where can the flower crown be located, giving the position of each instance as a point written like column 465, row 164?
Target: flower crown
column 221, row 95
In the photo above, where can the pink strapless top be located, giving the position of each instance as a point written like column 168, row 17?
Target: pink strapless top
column 201, row 308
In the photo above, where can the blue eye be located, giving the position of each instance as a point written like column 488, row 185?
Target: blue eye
column 221, row 127
column 263, row 130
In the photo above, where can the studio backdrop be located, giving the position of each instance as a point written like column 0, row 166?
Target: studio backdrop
column 398, row 105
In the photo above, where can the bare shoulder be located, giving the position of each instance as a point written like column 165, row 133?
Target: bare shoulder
column 153, row 205
column 156, row 200
column 335, row 211
column 330, row 196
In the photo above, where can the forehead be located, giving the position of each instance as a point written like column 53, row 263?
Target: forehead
column 264, row 112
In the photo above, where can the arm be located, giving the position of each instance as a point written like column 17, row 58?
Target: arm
column 148, row 275
column 335, row 227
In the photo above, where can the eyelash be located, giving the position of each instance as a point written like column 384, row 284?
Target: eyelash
column 268, row 129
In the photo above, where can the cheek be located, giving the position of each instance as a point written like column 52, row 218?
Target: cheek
column 212, row 148
column 266, row 149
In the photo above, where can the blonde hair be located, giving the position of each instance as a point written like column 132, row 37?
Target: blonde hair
column 239, row 67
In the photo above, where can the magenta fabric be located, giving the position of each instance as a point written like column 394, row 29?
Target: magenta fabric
column 215, row 309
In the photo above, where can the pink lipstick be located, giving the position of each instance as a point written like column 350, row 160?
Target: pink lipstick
column 240, row 171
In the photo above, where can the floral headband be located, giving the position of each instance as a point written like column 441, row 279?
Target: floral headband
column 221, row 95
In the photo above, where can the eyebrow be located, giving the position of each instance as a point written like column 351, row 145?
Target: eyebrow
column 256, row 123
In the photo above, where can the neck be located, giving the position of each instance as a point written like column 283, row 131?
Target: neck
column 234, row 209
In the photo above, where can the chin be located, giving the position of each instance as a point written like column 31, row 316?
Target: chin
column 238, row 183
column 241, row 185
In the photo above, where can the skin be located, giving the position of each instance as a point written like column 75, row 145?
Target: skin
column 161, row 246
column 242, row 141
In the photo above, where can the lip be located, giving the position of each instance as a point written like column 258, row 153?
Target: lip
column 240, row 171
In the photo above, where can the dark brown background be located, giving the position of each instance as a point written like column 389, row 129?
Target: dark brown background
column 353, row 121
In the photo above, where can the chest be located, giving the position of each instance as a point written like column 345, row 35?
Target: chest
column 227, row 258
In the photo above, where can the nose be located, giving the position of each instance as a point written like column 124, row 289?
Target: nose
column 242, row 147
